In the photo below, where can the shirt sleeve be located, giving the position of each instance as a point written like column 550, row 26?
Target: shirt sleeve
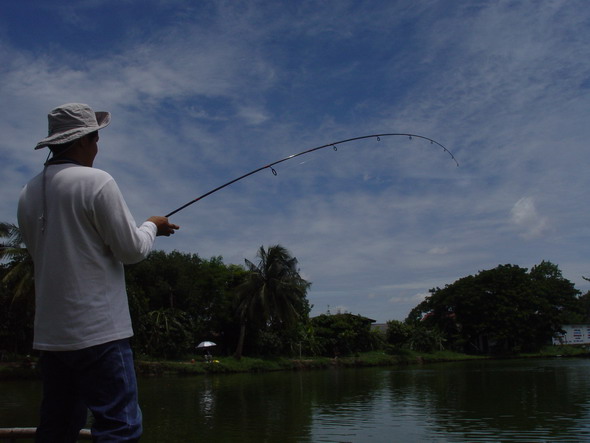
column 115, row 224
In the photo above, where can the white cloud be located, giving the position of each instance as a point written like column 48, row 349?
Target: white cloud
column 412, row 298
column 525, row 216
column 439, row 250
column 211, row 93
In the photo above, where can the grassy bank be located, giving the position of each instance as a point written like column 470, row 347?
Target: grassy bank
column 228, row 365
column 247, row 364
column 26, row 367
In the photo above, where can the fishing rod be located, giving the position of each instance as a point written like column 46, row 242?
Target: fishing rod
column 307, row 151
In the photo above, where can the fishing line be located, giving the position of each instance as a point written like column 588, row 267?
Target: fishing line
column 333, row 145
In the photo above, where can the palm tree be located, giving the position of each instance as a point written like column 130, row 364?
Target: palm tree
column 16, row 292
column 273, row 291
column 20, row 264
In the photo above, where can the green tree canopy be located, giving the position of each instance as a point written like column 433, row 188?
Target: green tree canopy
column 503, row 309
column 17, row 291
column 343, row 334
column 273, row 294
column 179, row 299
column 19, row 275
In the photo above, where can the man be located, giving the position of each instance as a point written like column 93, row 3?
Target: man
column 79, row 231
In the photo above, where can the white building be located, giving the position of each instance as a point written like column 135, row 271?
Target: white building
column 573, row 335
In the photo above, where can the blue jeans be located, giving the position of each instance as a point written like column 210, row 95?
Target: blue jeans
column 100, row 378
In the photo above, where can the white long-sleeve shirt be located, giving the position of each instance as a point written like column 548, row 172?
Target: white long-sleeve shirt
column 78, row 254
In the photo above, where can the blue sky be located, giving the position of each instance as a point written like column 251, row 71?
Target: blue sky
column 202, row 92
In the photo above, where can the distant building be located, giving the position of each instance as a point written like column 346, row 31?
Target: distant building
column 573, row 335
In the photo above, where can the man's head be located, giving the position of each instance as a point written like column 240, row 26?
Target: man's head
column 70, row 122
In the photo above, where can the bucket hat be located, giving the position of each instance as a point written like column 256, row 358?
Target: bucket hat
column 71, row 121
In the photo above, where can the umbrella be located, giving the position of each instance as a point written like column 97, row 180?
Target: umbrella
column 205, row 344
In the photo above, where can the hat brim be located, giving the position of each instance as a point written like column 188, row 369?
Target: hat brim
column 102, row 118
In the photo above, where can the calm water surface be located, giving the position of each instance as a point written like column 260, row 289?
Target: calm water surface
column 512, row 400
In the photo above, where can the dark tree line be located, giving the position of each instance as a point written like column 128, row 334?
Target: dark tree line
column 507, row 309
column 178, row 299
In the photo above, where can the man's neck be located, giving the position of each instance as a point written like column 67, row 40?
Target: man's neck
column 60, row 160
column 78, row 155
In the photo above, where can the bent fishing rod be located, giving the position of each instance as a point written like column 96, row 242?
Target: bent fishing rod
column 333, row 145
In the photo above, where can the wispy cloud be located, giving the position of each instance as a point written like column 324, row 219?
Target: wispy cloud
column 202, row 93
column 525, row 216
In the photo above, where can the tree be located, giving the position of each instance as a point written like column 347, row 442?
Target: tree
column 343, row 334
column 20, row 264
column 16, row 291
column 273, row 294
column 582, row 314
column 505, row 309
column 167, row 333
column 556, row 297
column 425, row 339
column 397, row 334
column 173, row 292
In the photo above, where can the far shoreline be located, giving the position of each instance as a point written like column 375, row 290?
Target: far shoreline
column 21, row 368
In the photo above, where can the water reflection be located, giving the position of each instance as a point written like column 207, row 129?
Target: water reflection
column 245, row 408
column 19, row 403
column 525, row 400
column 509, row 400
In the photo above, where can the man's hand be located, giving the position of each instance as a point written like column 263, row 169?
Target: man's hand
column 164, row 227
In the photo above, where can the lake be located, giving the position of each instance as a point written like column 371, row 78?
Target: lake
column 500, row 400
